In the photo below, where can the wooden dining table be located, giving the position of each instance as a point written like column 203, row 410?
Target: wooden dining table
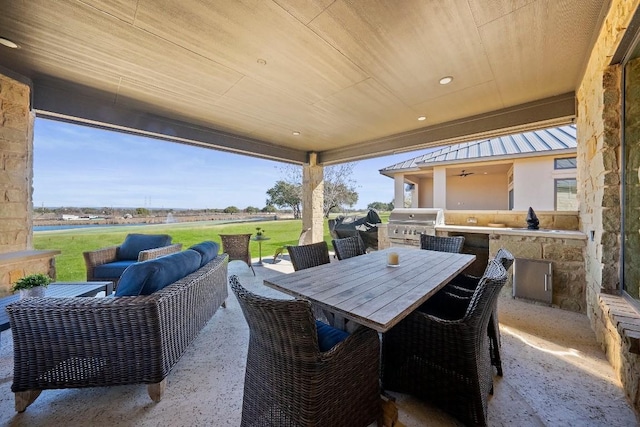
column 364, row 289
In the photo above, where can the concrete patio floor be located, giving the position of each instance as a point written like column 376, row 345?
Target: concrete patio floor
column 555, row 374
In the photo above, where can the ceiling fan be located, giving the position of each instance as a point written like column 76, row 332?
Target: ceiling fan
column 463, row 173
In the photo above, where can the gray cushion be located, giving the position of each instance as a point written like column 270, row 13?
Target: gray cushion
column 111, row 270
column 134, row 243
column 147, row 277
column 207, row 249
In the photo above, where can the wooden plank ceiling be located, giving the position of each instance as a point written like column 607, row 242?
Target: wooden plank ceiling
column 351, row 76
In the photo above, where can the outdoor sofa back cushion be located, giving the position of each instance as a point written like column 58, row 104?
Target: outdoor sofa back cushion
column 207, row 249
column 134, row 243
column 147, row 277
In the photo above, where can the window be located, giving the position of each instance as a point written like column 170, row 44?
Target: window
column 511, row 199
column 566, row 199
column 568, row 163
column 630, row 182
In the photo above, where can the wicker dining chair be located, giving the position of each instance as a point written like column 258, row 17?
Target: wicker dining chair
column 237, row 247
column 301, row 239
column 446, row 362
column 442, row 243
column 464, row 285
column 313, row 255
column 307, row 256
column 348, row 247
column 289, row 381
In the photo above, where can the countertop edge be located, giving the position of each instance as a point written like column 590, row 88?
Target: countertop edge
column 558, row 234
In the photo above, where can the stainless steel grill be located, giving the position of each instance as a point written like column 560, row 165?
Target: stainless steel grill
column 407, row 224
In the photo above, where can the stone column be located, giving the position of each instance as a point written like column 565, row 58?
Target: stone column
column 313, row 199
column 16, row 165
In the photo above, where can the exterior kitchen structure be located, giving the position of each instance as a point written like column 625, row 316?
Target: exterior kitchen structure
column 511, row 172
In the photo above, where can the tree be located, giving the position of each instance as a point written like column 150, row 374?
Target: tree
column 269, row 208
column 339, row 186
column 231, row 209
column 380, row 206
column 251, row 209
column 286, row 194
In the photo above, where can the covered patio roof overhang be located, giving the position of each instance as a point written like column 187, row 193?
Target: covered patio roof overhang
column 351, row 78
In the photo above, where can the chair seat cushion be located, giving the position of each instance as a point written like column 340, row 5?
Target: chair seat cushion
column 329, row 336
column 147, row 277
column 134, row 243
column 208, row 250
column 111, row 270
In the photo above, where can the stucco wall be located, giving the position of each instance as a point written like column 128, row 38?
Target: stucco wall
column 425, row 193
column 598, row 125
column 477, row 192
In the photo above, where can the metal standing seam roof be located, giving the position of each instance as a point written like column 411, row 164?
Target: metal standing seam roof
column 560, row 138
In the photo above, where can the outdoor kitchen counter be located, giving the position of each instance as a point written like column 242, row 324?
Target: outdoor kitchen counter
column 508, row 231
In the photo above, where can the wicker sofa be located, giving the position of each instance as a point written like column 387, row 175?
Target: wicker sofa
column 91, row 342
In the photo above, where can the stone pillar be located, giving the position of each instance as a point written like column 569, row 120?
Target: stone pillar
column 398, row 190
column 313, row 200
column 16, row 165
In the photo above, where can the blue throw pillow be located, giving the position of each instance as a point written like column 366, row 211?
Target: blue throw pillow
column 134, row 243
column 207, row 249
column 147, row 277
column 328, row 336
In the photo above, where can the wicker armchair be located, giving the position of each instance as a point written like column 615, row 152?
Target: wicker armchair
column 237, row 247
column 307, row 256
column 110, row 255
column 290, row 382
column 446, row 361
column 348, row 247
column 442, row 243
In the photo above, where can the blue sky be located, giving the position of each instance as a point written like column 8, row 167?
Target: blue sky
column 79, row 166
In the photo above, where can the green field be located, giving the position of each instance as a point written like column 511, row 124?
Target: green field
column 70, row 263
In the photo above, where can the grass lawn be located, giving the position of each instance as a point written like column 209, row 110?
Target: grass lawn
column 70, row 263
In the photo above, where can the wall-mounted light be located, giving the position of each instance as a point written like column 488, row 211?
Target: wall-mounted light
column 446, row 80
column 295, row 133
column 422, row 118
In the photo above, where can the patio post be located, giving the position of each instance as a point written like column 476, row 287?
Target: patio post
column 313, row 199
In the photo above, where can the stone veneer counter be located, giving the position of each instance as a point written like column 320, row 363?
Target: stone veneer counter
column 563, row 248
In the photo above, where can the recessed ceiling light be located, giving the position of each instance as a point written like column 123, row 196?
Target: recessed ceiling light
column 296, row 133
column 8, row 43
column 446, row 80
column 261, row 61
column 422, row 118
